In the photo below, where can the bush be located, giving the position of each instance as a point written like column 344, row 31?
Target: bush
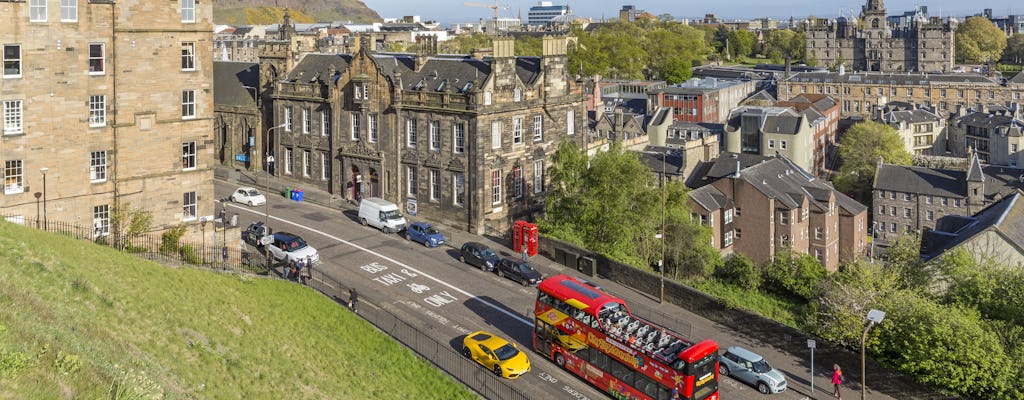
column 188, row 254
column 170, row 238
column 741, row 272
column 794, row 274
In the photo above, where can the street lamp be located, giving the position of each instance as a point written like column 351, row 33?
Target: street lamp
column 874, row 228
column 664, row 200
column 266, row 195
column 874, row 317
column 43, row 170
column 38, row 195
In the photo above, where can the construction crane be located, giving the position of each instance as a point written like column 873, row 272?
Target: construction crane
column 494, row 7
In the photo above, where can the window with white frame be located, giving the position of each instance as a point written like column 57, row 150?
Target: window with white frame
column 98, row 166
column 771, row 143
column 517, row 130
column 495, row 134
column 356, row 128
column 538, row 128
column 307, row 166
column 14, row 176
column 458, row 189
column 930, row 215
column 570, row 123
column 784, row 240
column 101, row 220
column 495, row 186
column 727, row 240
column 435, row 135
column 517, row 95
column 188, row 56
column 373, row 128
column 188, row 155
column 325, row 165
column 325, row 122
column 487, row 98
column 782, row 145
column 12, row 61
column 68, row 10
column 538, row 176
column 892, row 227
column 783, row 217
column 37, row 10
column 906, row 196
column 727, row 218
column 188, row 11
column 459, row 137
column 97, row 111
column 188, row 104
column 410, row 181
column 517, row 182
column 287, row 118
column 97, row 59
column 435, row 184
column 307, row 121
column 818, row 233
column 188, row 201
column 288, row 160
column 818, row 255
column 410, row 133
column 12, row 117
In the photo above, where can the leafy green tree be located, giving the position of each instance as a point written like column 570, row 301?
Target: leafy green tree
column 688, row 244
column 978, row 40
column 843, row 299
column 782, row 43
column 128, row 223
column 564, row 201
column 904, row 258
column 741, row 43
column 1014, row 49
column 740, row 271
column 529, row 46
column 793, row 274
column 464, row 44
column 997, row 291
column 860, row 149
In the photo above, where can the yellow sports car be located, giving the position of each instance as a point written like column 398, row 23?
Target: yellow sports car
column 496, row 354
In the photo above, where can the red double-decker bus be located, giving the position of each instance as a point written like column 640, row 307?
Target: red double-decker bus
column 594, row 335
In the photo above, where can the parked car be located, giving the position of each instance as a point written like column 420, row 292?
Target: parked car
column 752, row 369
column 381, row 214
column 290, row 247
column 424, row 233
column 519, row 271
column 479, row 255
column 497, row 354
column 248, row 195
column 252, row 234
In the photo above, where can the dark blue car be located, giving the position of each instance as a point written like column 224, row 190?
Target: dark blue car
column 424, row 233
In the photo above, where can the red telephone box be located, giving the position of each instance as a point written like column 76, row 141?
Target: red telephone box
column 531, row 239
column 517, row 235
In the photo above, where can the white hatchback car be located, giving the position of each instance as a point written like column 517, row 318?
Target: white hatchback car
column 248, row 195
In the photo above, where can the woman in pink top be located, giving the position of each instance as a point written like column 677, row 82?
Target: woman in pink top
column 837, row 379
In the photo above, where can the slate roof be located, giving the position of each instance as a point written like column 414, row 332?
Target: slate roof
column 656, row 158
column 761, row 95
column 1019, row 78
column 710, row 171
column 709, row 197
column 1005, row 216
column 921, row 180
column 230, row 80
column 913, row 116
column 992, row 121
column 773, row 119
column 314, row 67
column 877, row 78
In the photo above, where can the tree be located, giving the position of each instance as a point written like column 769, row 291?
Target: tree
column 793, row 274
column 978, row 40
column 127, row 223
column 1014, row 49
column 741, row 43
column 843, row 299
column 860, row 149
column 564, row 202
column 529, row 46
column 740, row 271
column 904, row 258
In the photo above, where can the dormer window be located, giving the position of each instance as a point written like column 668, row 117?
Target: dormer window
column 361, row 91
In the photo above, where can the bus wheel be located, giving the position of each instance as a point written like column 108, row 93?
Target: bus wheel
column 559, row 360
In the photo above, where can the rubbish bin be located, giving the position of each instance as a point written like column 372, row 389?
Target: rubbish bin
column 297, row 194
column 287, row 192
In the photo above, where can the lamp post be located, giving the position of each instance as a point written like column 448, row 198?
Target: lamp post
column 43, row 170
column 664, row 201
column 874, row 317
column 266, row 195
column 202, row 228
column 38, row 195
column 874, row 228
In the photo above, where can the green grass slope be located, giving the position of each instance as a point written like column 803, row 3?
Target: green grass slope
column 82, row 321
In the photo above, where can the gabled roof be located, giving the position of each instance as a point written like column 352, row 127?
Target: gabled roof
column 230, row 80
column 1019, row 78
column 314, row 67
column 1005, row 217
column 974, row 171
column 663, row 160
column 913, row 116
column 992, row 121
column 761, row 95
column 709, row 197
column 772, row 119
column 710, row 171
column 921, row 180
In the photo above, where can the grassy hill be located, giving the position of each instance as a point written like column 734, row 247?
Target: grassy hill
column 256, row 12
column 82, row 321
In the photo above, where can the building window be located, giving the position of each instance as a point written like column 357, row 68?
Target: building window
column 517, row 95
column 517, row 182
column 517, row 130
column 538, row 128
column 487, row 98
column 37, row 11
column 892, row 195
column 906, row 213
column 818, row 233
column 188, row 104
column 458, row 189
column 892, row 211
column 459, row 138
column 881, row 210
column 496, row 186
column 97, row 111
column 784, row 217
column 188, row 201
column 738, row 211
column 818, row 255
column 98, row 166
column 288, row 118
column 14, row 177
column 945, row 201
column 288, row 160
column 325, row 122
column 435, row 135
column 570, row 123
column 410, row 133
column 435, row 184
column 68, row 10
column 538, row 176
column 12, row 60
column 739, row 233
column 355, row 126
column 188, row 56
column 892, row 227
column 410, row 181
column 101, row 220
column 188, row 155
column 703, row 220
column 784, row 240
column 12, row 117
column 727, row 241
column 881, row 194
column 307, row 121
column 930, row 215
column 782, row 144
column 956, row 203
column 188, row 11
column 97, row 58
column 373, row 128
column 307, row 166
column 496, row 134
column 325, row 165
column 771, row 143
column 928, row 199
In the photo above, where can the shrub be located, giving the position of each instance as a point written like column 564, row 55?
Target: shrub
column 188, row 254
column 794, row 275
column 739, row 271
column 170, row 238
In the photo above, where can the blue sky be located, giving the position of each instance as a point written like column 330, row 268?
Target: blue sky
column 449, row 11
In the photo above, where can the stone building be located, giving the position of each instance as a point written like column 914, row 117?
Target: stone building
column 995, row 134
column 703, row 100
column 871, row 44
column 801, row 136
column 922, row 130
column 111, row 105
column 238, row 123
column 458, row 140
column 993, row 235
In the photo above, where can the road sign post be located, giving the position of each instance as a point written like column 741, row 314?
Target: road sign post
column 811, row 345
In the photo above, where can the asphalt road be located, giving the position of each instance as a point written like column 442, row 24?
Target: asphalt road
column 447, row 299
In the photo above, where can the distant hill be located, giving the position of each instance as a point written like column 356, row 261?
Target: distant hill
column 258, row 12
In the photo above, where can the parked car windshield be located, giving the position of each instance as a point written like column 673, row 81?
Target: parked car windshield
column 524, row 268
column 487, row 253
column 761, row 367
column 254, row 192
column 296, row 244
column 431, row 230
column 506, row 352
column 393, row 214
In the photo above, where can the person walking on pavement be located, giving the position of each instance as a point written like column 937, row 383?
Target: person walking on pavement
column 837, row 379
column 353, row 299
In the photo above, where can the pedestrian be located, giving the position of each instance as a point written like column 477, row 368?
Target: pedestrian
column 837, row 379
column 353, row 299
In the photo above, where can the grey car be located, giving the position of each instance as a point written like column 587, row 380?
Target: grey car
column 750, row 368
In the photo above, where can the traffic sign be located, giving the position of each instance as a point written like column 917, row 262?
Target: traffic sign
column 810, row 343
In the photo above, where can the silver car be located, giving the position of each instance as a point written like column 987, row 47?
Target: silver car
column 750, row 368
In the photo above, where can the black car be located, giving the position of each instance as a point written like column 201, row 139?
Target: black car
column 479, row 255
column 520, row 271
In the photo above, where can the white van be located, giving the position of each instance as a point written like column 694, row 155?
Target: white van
column 380, row 214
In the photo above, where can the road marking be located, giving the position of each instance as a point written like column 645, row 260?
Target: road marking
column 493, row 306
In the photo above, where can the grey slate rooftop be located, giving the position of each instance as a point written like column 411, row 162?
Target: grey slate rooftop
column 230, row 80
column 879, row 78
column 1005, row 216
